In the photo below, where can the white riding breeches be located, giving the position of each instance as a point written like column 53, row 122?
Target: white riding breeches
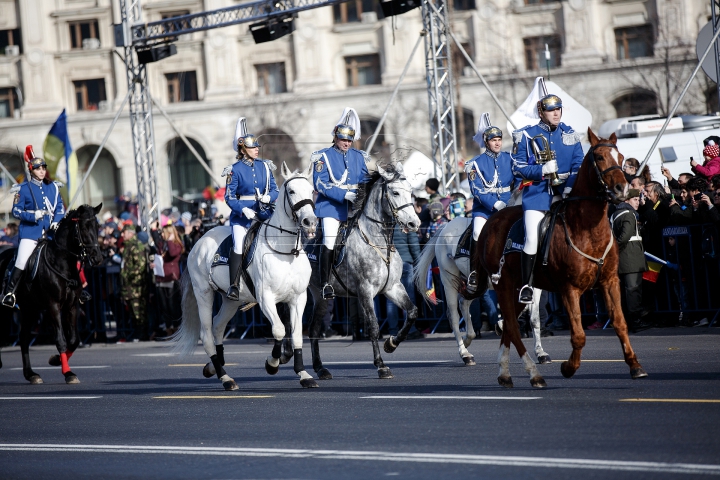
column 25, row 249
column 330, row 230
column 532, row 222
column 238, row 233
column 478, row 224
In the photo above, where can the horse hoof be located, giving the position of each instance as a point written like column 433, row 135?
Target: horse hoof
column 388, row 346
column 469, row 361
column 567, row 370
column 505, row 381
column 538, row 382
column 270, row 369
column 324, row 374
column 385, row 373
column 230, row 385
column 71, row 378
column 209, row 370
column 308, row 383
column 542, row 359
column 638, row 372
column 35, row 379
column 54, row 361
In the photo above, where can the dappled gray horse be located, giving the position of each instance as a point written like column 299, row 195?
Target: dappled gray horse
column 372, row 266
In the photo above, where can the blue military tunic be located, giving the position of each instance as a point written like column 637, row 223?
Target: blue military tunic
column 491, row 179
column 335, row 174
column 565, row 142
column 244, row 179
column 47, row 196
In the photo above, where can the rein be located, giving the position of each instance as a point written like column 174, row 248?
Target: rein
column 293, row 208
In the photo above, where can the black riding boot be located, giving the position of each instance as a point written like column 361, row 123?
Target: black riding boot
column 233, row 292
column 472, row 277
column 325, row 267
column 527, row 262
column 9, row 294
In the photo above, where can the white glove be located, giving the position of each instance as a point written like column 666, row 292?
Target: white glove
column 249, row 213
column 566, row 192
column 550, row 167
column 39, row 214
column 499, row 205
column 350, row 196
column 265, row 199
column 53, row 226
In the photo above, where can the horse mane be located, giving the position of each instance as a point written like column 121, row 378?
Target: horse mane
column 364, row 190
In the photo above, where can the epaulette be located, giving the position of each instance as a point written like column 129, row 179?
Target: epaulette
column 16, row 188
column 569, row 136
column 518, row 134
column 226, row 171
column 269, row 164
column 58, row 184
column 469, row 165
column 365, row 155
column 316, row 156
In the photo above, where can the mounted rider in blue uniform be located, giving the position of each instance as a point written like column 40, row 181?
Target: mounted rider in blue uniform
column 39, row 207
column 250, row 192
column 549, row 155
column 491, row 182
column 337, row 173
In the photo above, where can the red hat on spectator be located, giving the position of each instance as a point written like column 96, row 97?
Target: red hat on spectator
column 712, row 151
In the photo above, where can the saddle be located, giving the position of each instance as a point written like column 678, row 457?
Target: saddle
column 222, row 254
column 313, row 246
column 463, row 247
column 31, row 267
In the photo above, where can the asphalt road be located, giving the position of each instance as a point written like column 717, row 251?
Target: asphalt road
column 139, row 413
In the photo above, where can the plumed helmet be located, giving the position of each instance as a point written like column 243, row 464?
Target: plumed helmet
column 492, row 132
column 32, row 160
column 348, row 127
column 242, row 137
column 486, row 131
column 550, row 102
column 345, row 132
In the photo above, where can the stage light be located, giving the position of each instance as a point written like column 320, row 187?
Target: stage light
column 398, row 7
column 153, row 54
column 272, row 30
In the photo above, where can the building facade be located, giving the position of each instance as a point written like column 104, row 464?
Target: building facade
column 616, row 57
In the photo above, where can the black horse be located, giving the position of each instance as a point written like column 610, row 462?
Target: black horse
column 55, row 287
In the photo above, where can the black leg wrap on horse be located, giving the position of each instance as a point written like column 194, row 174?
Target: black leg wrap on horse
column 277, row 349
column 219, row 370
column 220, row 349
column 298, row 366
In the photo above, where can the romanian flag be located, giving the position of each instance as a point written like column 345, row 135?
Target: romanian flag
column 430, row 287
column 61, row 160
column 654, row 265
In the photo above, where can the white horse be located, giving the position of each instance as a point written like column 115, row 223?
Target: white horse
column 280, row 272
column 443, row 246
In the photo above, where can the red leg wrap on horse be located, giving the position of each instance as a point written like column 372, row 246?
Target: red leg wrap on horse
column 69, row 354
column 64, row 363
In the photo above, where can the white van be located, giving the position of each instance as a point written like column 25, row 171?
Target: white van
column 681, row 141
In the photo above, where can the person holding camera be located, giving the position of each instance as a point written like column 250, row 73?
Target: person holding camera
column 711, row 165
column 250, row 193
column 702, row 208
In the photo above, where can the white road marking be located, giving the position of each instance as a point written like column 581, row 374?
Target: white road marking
column 365, row 362
column 449, row 397
column 74, row 367
column 196, row 353
column 48, row 398
column 371, row 456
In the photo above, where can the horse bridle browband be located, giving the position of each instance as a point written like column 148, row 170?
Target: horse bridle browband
column 603, row 183
column 294, row 207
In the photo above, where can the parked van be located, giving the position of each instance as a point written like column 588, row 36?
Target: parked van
column 682, row 140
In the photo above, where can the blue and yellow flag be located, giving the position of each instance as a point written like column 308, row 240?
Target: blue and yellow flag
column 56, row 148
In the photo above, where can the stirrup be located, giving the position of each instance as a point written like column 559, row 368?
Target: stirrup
column 233, row 293
column 526, row 295
column 472, row 282
column 328, row 292
column 84, row 297
column 9, row 300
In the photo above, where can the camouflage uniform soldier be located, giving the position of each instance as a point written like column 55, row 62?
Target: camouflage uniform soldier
column 134, row 280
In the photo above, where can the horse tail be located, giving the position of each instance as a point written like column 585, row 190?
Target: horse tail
column 186, row 337
column 422, row 264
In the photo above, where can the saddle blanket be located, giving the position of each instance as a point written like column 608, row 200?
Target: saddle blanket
column 514, row 243
column 222, row 254
column 33, row 262
column 313, row 247
column 463, row 246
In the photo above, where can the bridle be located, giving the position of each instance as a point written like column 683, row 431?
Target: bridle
column 395, row 211
column 604, row 188
column 294, row 207
column 83, row 255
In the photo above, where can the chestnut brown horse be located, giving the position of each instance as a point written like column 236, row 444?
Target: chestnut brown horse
column 582, row 254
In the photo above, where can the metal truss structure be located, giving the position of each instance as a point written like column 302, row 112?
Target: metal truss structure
column 441, row 98
column 134, row 35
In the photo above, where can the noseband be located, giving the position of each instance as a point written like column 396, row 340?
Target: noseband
column 604, row 188
column 395, row 211
column 294, row 207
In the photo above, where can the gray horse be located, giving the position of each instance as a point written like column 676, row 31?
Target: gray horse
column 372, row 266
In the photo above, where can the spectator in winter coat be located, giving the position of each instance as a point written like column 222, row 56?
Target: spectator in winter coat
column 711, row 166
column 632, row 260
column 170, row 247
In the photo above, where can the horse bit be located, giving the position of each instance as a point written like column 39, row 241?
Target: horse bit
column 294, row 208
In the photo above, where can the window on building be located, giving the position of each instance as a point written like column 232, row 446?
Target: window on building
column 459, row 60
column 188, row 178
column 10, row 38
column 89, row 93
column 634, row 42
column 362, row 70
column 182, row 87
column 84, row 34
column 8, row 102
column 636, row 103
column 271, row 78
column 535, row 51
column 352, row 11
column 468, row 132
column 463, row 5
column 279, row 147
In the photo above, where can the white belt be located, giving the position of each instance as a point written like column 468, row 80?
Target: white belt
column 344, row 187
column 635, row 238
column 247, row 197
column 498, row 190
